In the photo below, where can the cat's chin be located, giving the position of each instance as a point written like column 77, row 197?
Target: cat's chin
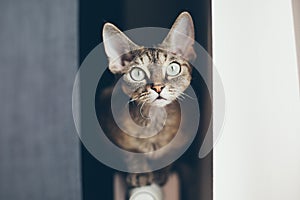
column 160, row 102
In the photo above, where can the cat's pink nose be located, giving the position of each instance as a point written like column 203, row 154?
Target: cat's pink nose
column 157, row 88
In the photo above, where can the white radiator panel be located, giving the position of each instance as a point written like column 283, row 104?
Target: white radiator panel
column 254, row 50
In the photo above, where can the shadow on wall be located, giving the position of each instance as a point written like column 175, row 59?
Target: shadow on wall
column 296, row 13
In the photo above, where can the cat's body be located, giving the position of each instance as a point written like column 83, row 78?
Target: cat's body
column 140, row 144
column 154, row 79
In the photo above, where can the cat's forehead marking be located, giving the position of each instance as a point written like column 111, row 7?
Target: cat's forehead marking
column 145, row 58
column 148, row 56
column 162, row 56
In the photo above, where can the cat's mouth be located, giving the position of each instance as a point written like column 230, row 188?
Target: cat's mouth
column 160, row 101
column 160, row 97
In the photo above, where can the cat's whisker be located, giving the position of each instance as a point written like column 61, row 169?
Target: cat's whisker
column 138, row 97
column 179, row 94
column 184, row 94
column 131, row 100
column 143, row 97
column 180, row 98
column 144, row 94
column 141, row 113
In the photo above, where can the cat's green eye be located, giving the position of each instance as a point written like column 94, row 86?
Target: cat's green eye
column 173, row 69
column 137, row 74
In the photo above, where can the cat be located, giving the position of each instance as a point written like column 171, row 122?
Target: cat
column 154, row 79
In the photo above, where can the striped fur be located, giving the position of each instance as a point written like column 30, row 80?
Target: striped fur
column 157, row 89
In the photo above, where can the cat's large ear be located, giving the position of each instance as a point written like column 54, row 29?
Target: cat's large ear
column 116, row 43
column 180, row 39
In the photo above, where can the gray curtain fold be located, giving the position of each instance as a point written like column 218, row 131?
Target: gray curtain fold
column 39, row 148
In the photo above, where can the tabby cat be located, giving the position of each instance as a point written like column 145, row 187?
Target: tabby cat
column 154, row 79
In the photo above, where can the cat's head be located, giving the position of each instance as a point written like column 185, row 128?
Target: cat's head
column 157, row 75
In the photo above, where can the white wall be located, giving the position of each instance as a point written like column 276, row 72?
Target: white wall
column 258, row 156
